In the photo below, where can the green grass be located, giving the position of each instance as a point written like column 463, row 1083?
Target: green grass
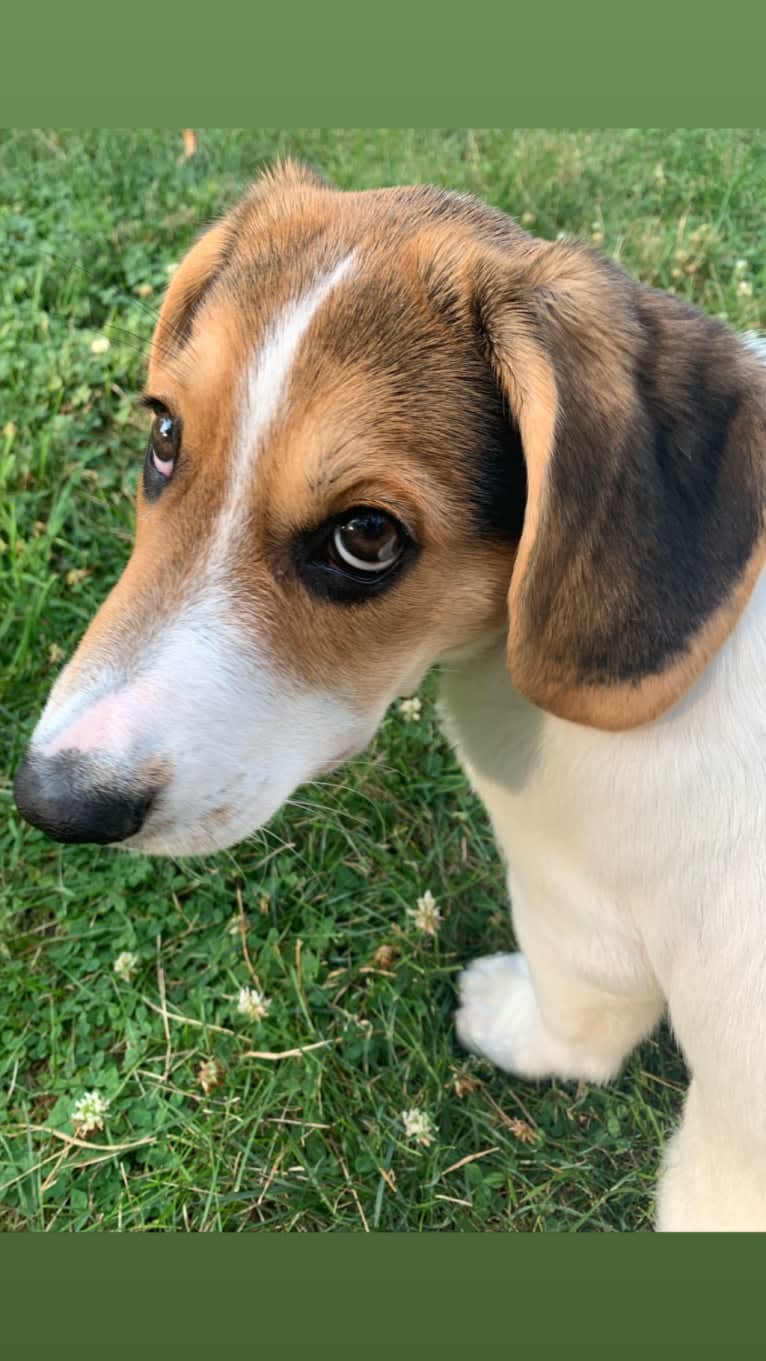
column 313, row 1142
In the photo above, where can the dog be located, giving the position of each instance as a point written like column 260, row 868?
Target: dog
column 391, row 429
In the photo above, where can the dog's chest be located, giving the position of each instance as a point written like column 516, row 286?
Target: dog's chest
column 550, row 787
column 654, row 814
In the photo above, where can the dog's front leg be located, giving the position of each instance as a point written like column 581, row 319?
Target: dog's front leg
column 714, row 1172
column 557, row 1009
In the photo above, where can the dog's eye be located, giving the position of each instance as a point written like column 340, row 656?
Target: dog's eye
column 369, row 541
column 162, row 453
column 163, row 444
column 354, row 556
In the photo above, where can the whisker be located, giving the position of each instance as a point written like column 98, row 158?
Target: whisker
column 167, row 355
column 184, row 341
column 153, row 312
column 177, row 334
column 140, row 347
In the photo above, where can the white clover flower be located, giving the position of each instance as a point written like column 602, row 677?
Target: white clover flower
column 418, row 1125
column 125, row 965
column 426, row 916
column 100, row 345
column 171, row 268
column 410, row 709
column 89, row 1113
column 745, row 288
column 253, row 1004
column 740, row 266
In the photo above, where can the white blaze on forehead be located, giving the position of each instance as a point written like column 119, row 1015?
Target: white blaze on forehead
column 267, row 380
column 264, row 387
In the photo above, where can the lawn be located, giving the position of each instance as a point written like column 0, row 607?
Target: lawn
column 205, row 1126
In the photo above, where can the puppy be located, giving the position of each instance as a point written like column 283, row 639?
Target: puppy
column 392, row 430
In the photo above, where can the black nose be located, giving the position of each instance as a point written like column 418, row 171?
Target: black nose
column 70, row 800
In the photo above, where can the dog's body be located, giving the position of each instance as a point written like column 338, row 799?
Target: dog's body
column 638, row 880
column 392, row 430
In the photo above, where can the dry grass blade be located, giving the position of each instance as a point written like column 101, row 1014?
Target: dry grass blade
column 86, row 1143
column 286, row 1053
column 470, row 1158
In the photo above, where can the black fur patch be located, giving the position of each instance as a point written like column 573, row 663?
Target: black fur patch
column 654, row 523
column 499, row 484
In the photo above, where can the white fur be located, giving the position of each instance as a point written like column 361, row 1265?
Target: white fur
column 638, row 859
column 756, row 342
column 200, row 697
column 264, row 390
column 638, row 880
column 204, row 704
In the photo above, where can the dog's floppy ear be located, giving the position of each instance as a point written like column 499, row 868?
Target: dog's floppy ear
column 643, row 425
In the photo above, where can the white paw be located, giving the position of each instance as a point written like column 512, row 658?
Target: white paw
column 498, row 1016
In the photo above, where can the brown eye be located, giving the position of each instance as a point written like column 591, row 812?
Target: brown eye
column 162, row 452
column 369, row 541
column 163, row 444
column 355, row 556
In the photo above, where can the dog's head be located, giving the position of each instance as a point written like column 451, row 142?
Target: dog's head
column 387, row 427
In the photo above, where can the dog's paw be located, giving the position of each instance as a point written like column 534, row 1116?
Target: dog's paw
column 498, row 1016
column 499, row 1019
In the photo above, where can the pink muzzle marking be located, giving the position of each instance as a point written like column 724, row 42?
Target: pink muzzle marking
column 108, row 725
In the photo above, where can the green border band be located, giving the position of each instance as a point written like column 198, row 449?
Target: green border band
column 575, row 64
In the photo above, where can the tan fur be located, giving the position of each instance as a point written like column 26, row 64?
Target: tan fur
column 606, row 337
column 357, row 430
column 627, row 706
column 579, row 466
column 323, row 454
